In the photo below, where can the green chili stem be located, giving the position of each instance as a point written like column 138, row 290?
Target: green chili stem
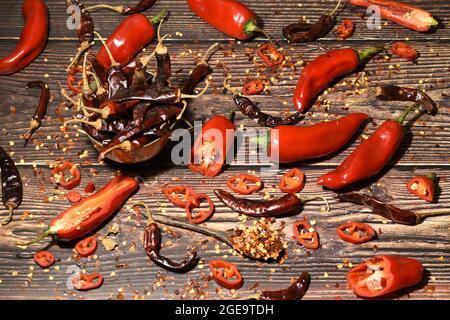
column 421, row 215
column 39, row 238
column 432, row 176
column 367, row 54
column 160, row 16
column 405, row 113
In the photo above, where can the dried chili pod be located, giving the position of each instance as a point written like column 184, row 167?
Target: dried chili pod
column 12, row 188
column 125, row 9
column 163, row 61
column 41, row 108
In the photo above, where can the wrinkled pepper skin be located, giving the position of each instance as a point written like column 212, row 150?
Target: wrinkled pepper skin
column 32, row 39
column 368, row 159
column 304, row 143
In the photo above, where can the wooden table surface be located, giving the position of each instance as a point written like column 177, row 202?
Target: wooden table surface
column 128, row 272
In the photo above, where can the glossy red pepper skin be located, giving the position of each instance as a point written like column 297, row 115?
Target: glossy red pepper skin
column 404, row 50
column 423, row 187
column 404, row 14
column 294, row 144
column 368, row 159
column 32, row 39
column 395, row 273
column 226, row 274
column 350, row 232
column 228, row 16
column 133, row 34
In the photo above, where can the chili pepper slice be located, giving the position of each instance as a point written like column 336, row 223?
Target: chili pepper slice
column 90, row 187
column 253, row 87
column 292, row 181
column 345, row 30
column 226, row 274
column 44, row 259
column 58, row 175
column 180, row 196
column 404, row 50
column 74, row 196
column 240, row 184
column 85, row 282
column 203, row 215
column 355, row 232
column 71, row 79
column 270, row 55
column 86, row 247
column 423, row 187
column 305, row 236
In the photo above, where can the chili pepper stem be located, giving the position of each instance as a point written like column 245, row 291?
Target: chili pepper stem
column 309, row 199
column 34, row 125
column 182, row 110
column 421, row 215
column 85, row 45
column 66, row 97
column 405, row 113
column 209, row 53
column 251, row 27
column 256, row 296
column 118, row 8
column 113, row 61
column 227, row 86
column 39, row 238
column 365, row 55
column 190, row 96
column 149, row 213
column 160, row 16
column 96, row 124
column 10, row 215
column 100, row 90
column 432, row 176
column 86, row 88
column 335, row 8
column 126, row 146
column 433, row 23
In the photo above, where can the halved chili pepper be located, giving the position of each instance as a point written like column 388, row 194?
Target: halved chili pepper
column 60, row 179
column 180, row 196
column 404, row 50
column 270, row 55
column 203, row 215
column 226, row 274
column 86, row 247
column 423, row 186
column 382, row 275
column 306, row 235
column 44, row 259
column 74, row 196
column 252, row 87
column 240, row 183
column 345, row 30
column 292, row 181
column 86, row 282
column 71, row 79
column 355, row 232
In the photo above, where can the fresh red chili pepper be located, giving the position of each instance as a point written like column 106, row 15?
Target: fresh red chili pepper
column 292, row 181
column 226, row 274
column 355, row 232
column 404, row 50
column 32, row 39
column 203, row 215
column 71, row 79
column 345, row 30
column 74, row 196
column 44, row 259
column 228, row 16
column 86, row 282
column 90, row 187
column 423, row 186
column 323, row 70
column 58, row 175
column 404, row 14
column 382, row 275
column 270, row 55
column 305, row 236
column 86, row 247
column 212, row 146
column 241, row 185
column 87, row 215
column 180, row 196
column 252, row 87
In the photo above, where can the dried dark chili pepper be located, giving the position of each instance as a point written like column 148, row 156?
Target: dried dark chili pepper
column 163, row 61
column 287, row 204
column 388, row 211
column 423, row 186
column 12, row 188
column 152, row 245
column 396, row 93
column 125, row 9
column 41, row 109
column 253, row 87
column 296, row 291
column 270, row 55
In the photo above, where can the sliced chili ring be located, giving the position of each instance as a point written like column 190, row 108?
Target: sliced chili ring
column 180, row 196
column 226, row 274
column 404, row 50
column 345, row 30
column 71, row 79
column 58, row 175
column 270, row 55
column 85, row 282
column 211, row 161
column 44, row 259
column 203, row 215
column 292, row 181
column 239, row 184
column 423, row 187
column 90, row 187
column 253, row 87
column 305, row 236
column 86, row 247
column 74, row 196
column 355, row 232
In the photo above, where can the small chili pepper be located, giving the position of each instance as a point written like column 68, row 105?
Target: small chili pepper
column 41, row 109
column 86, row 247
column 44, row 259
column 383, row 275
column 86, row 282
column 292, row 181
column 71, row 79
column 396, row 93
column 32, row 39
column 253, row 87
column 90, row 187
column 287, row 204
column 404, row 50
column 87, row 215
column 355, row 232
column 180, row 196
column 12, row 188
column 74, row 196
column 270, row 55
column 244, row 184
column 423, row 186
column 345, row 30
column 306, row 235
column 404, row 14
column 295, row 291
column 125, row 9
column 163, row 61
column 58, row 175
column 323, row 70
column 203, row 215
column 226, row 274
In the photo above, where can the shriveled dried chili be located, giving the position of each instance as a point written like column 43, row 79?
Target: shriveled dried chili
column 41, row 109
column 124, row 9
column 396, row 93
column 295, row 291
column 12, row 188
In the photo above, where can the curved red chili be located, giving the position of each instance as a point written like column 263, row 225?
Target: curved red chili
column 270, row 55
column 226, row 274
column 60, row 179
column 86, row 247
column 244, row 184
column 355, row 232
column 423, row 187
column 86, row 282
column 253, row 87
column 345, row 30
column 404, row 50
column 306, row 235
column 44, row 259
column 32, row 39
column 292, row 181
column 203, row 215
